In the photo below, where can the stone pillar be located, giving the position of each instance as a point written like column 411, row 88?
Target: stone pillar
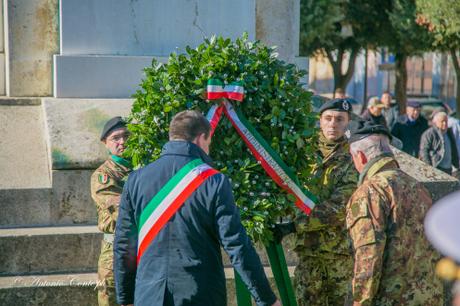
column 2, row 54
column 277, row 24
column 31, row 39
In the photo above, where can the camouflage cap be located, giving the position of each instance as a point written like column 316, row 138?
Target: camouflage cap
column 111, row 125
column 360, row 128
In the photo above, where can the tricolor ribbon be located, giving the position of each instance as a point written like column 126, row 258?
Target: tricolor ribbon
column 265, row 155
column 216, row 90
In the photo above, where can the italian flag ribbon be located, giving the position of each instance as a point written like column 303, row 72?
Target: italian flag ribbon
column 265, row 155
column 168, row 200
column 217, row 90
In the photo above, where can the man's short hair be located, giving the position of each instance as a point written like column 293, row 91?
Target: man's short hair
column 438, row 114
column 187, row 125
column 372, row 146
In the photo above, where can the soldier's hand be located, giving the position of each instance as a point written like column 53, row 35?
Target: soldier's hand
column 277, row 303
column 280, row 230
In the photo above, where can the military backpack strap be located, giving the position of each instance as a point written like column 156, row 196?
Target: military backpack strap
column 168, row 201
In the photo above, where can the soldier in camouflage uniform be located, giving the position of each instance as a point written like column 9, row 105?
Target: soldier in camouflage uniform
column 393, row 262
column 106, row 187
column 323, row 274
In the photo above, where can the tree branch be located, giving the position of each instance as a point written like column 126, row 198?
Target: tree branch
column 351, row 64
column 455, row 61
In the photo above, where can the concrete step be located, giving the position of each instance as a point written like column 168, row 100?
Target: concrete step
column 67, row 202
column 23, row 149
column 75, row 289
column 47, row 250
column 59, row 289
column 25, row 251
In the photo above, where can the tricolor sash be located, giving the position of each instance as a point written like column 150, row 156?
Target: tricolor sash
column 270, row 161
column 168, row 200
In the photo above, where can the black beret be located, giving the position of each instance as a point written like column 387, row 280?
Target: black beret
column 359, row 129
column 112, row 124
column 341, row 105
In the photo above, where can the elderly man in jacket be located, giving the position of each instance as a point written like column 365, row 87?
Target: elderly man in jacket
column 393, row 261
column 438, row 147
column 175, row 214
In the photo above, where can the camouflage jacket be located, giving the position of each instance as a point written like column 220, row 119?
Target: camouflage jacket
column 394, row 263
column 106, row 187
column 323, row 233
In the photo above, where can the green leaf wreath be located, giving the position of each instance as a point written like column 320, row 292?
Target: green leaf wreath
column 275, row 104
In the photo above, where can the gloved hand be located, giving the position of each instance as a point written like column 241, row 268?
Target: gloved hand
column 280, row 230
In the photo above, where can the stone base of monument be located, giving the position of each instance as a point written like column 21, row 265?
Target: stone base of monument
column 97, row 76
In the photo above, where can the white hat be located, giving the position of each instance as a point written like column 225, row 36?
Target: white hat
column 442, row 225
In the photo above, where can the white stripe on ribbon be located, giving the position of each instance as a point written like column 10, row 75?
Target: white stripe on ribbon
column 169, row 199
column 268, row 158
column 215, row 88
column 234, row 88
column 211, row 112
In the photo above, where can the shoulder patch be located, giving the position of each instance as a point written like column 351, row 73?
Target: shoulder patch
column 103, row 178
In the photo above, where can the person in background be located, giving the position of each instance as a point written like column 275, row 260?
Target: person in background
column 410, row 127
column 390, row 111
column 373, row 112
column 438, row 147
column 454, row 124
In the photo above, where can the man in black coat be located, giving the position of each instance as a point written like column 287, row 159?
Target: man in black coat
column 182, row 265
column 409, row 128
column 391, row 110
column 373, row 112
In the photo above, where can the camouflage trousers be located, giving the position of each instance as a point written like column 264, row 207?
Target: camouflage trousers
column 323, row 281
column 106, row 282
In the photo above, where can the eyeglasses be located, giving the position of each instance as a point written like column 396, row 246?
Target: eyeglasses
column 119, row 137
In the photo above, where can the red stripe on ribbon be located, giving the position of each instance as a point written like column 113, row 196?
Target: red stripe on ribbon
column 215, row 119
column 216, row 95
column 171, row 210
column 233, row 95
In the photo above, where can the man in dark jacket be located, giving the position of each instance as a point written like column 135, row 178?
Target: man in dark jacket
column 438, row 146
column 373, row 112
column 409, row 128
column 391, row 111
column 182, row 264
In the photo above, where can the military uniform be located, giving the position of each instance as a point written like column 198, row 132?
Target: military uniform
column 323, row 274
column 393, row 262
column 106, row 188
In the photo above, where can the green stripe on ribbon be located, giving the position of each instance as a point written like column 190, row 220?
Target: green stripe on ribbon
column 215, row 82
column 166, row 189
